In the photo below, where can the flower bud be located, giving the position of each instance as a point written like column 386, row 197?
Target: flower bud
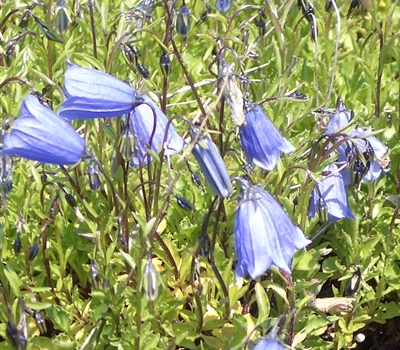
column 40, row 322
column 354, row 283
column 33, row 251
column 184, row 203
column 165, row 64
column 94, row 177
column 322, row 210
column 94, row 275
column 13, row 334
column 204, row 244
column 127, row 143
column 70, row 200
column 196, row 179
column 260, row 23
column 131, row 53
column 61, row 17
column 9, row 54
column 17, row 244
column 6, row 168
column 183, row 21
column 142, row 69
column 150, row 281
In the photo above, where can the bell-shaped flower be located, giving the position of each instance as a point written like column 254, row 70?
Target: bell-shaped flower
column 223, row 5
column 379, row 150
column 269, row 344
column 264, row 234
column 94, row 94
column 372, row 150
column 340, row 119
column 40, row 134
column 211, row 164
column 149, row 125
column 260, row 139
column 272, row 341
column 329, row 199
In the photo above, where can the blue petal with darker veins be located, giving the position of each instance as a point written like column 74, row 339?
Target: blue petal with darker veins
column 41, row 135
column 142, row 121
column 212, row 165
column 260, row 139
column 333, row 191
column 95, row 94
column 264, row 234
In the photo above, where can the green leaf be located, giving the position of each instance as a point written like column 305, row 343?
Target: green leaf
column 262, row 303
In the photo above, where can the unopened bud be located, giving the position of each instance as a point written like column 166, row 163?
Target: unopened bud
column 183, row 21
column 184, row 203
column 142, row 69
column 165, row 64
column 127, row 143
column 94, row 177
column 150, row 282
column 40, row 322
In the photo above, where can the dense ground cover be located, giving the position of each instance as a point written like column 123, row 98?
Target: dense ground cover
column 115, row 245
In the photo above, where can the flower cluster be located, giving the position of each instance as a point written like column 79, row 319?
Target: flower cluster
column 264, row 234
column 358, row 159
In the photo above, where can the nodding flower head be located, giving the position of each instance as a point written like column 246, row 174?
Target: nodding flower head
column 328, row 198
column 94, row 94
column 41, row 135
column 340, row 119
column 149, row 125
column 211, row 164
column 264, row 233
column 260, row 139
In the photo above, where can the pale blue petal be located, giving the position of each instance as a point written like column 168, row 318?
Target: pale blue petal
column 261, row 141
column 41, row 135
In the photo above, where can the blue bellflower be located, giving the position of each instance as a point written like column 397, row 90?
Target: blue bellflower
column 211, row 164
column 340, row 119
column 357, row 145
column 223, row 5
column 379, row 150
column 330, row 198
column 142, row 120
column 260, row 139
column 94, row 94
column 358, row 142
column 267, row 344
column 264, row 234
column 41, row 135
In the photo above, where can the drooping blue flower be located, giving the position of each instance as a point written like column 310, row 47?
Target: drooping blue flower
column 372, row 150
column 357, row 143
column 340, row 119
column 41, row 135
column 94, row 94
column 149, row 125
column 379, row 150
column 269, row 344
column 264, row 234
column 260, row 139
column 223, row 5
column 330, row 198
column 211, row 164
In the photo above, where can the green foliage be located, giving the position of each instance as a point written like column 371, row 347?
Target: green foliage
column 87, row 280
